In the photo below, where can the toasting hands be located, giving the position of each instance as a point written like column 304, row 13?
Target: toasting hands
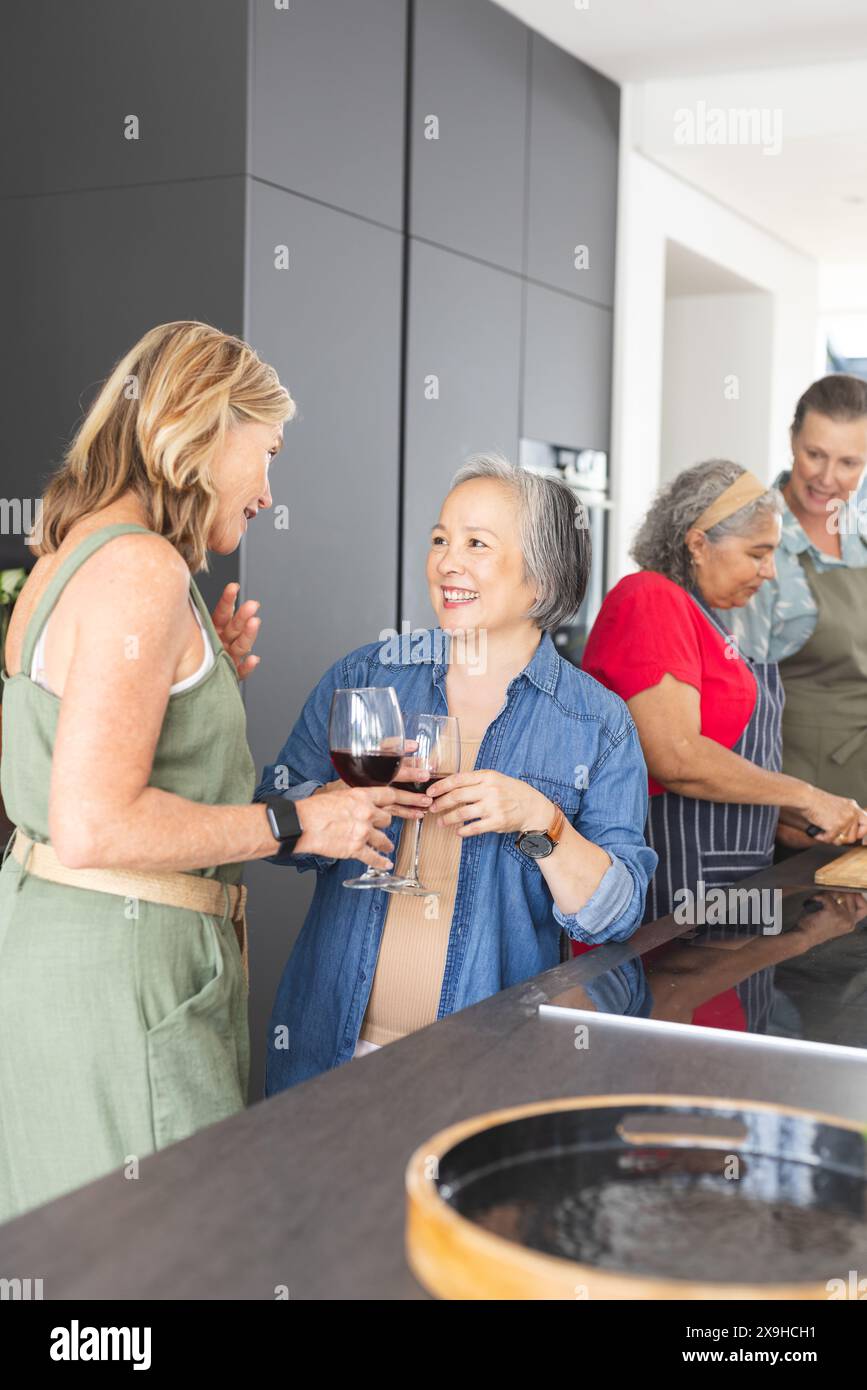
column 479, row 801
column 408, row 805
column 348, row 823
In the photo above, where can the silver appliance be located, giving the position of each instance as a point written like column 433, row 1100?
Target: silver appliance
column 586, row 472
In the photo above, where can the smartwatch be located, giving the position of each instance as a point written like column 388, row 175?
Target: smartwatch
column 538, row 844
column 284, row 822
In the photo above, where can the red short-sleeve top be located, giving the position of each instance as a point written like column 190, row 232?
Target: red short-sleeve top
column 648, row 627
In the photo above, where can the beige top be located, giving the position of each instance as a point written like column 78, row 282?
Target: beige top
column 415, row 938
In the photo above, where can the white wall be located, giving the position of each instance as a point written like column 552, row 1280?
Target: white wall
column 716, row 380
column 656, row 206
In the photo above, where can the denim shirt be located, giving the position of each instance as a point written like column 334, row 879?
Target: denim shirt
column 560, row 731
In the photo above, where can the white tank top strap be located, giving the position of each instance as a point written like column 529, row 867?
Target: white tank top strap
column 207, row 660
column 37, row 669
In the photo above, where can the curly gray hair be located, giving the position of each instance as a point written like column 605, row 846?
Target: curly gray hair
column 660, row 543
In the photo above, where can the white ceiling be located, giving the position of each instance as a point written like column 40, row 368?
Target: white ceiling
column 804, row 58
column 640, row 40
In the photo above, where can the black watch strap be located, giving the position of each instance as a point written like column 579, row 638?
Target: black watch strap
column 283, row 820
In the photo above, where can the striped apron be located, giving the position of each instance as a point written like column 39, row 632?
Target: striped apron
column 715, row 842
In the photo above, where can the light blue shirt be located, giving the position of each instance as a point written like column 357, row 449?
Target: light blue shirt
column 781, row 618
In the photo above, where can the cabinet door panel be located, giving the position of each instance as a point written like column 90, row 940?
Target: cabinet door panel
column 72, row 76
column 330, row 324
column 574, row 124
column 567, row 372
column 470, row 91
column 327, row 102
column 462, row 391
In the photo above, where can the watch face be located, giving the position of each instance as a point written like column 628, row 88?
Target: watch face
column 536, row 844
column 283, row 819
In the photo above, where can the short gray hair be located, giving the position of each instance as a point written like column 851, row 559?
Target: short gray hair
column 660, row 543
column 555, row 539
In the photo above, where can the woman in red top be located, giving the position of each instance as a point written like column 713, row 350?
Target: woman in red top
column 707, row 717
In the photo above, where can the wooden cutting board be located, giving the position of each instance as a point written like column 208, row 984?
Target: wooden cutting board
column 849, row 871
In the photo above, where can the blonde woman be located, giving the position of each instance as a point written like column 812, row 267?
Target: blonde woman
column 127, row 774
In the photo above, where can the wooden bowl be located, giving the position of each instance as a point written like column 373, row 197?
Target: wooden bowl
column 640, row 1196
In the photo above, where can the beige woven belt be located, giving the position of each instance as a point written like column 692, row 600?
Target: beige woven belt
column 206, row 895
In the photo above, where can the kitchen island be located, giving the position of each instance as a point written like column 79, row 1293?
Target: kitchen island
column 303, row 1194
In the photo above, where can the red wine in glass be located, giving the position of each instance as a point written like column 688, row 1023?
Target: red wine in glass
column 421, row 787
column 366, row 743
column 365, row 769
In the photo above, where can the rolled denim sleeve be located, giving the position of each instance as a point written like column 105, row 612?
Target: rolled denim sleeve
column 613, row 814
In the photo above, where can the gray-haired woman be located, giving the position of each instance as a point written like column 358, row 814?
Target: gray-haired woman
column 708, row 718
column 541, row 830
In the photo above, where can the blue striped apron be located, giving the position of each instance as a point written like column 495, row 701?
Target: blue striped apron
column 715, row 842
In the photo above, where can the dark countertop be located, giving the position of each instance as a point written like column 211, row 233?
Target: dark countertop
column 306, row 1189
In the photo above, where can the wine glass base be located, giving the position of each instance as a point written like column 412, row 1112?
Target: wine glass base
column 387, row 881
column 413, row 890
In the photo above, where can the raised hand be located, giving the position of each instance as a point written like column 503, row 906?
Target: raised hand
column 238, row 630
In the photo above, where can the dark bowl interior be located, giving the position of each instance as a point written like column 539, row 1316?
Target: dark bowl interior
column 740, row 1195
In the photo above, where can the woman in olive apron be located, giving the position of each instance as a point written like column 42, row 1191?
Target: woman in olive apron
column 810, row 617
column 825, row 716
column 150, row 1042
column 123, row 998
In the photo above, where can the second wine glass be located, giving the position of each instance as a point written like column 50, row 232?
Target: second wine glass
column 433, row 751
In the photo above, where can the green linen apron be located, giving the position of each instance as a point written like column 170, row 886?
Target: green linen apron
column 123, row 1024
column 825, row 717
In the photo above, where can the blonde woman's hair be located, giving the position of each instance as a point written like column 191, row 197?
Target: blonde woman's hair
column 157, row 423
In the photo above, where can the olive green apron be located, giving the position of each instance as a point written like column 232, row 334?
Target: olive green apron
column 123, row 1024
column 825, row 716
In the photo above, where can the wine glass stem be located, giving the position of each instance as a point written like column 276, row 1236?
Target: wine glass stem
column 416, row 849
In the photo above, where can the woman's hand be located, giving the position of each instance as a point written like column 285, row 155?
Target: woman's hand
column 347, row 824
column 489, row 801
column 408, row 805
column 838, row 914
column 238, row 630
column 842, row 820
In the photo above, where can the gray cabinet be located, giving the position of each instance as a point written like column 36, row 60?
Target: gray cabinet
column 327, row 101
column 462, row 377
column 330, row 324
column 93, row 272
column 574, row 125
column 71, row 75
column 567, row 370
column 469, row 129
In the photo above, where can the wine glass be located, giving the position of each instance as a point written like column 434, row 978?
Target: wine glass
column 366, row 742
column 433, row 752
